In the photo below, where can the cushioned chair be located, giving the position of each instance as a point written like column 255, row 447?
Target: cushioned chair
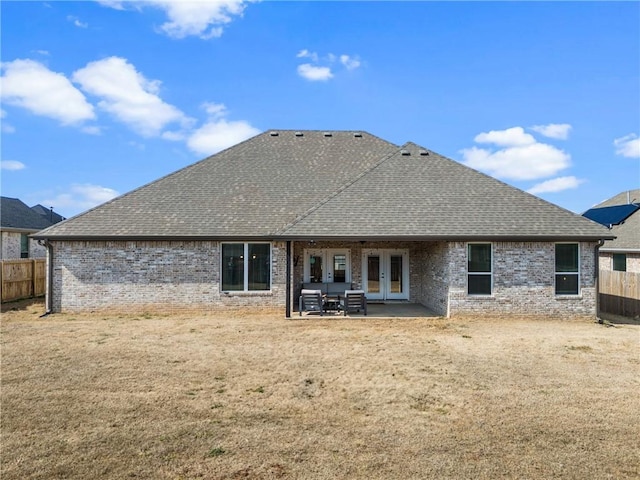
column 311, row 301
column 354, row 300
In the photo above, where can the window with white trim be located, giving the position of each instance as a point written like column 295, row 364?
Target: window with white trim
column 567, row 269
column 479, row 269
column 246, row 267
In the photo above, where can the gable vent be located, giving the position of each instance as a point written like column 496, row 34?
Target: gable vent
column 328, row 134
column 406, row 153
column 357, row 135
column 424, row 153
column 299, row 134
column 274, row 134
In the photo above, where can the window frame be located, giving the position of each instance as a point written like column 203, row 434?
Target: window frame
column 620, row 256
column 575, row 273
column 488, row 273
column 245, row 269
column 24, row 245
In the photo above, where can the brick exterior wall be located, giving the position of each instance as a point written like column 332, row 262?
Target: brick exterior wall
column 523, row 282
column 152, row 276
column 11, row 247
column 174, row 276
column 633, row 262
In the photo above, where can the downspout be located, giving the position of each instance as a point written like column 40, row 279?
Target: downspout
column 49, row 295
column 597, row 276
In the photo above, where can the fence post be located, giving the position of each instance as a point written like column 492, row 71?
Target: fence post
column 33, row 277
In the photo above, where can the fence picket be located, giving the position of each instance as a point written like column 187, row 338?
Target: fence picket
column 24, row 278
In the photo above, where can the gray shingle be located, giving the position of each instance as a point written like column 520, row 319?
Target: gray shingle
column 339, row 186
column 430, row 196
column 15, row 214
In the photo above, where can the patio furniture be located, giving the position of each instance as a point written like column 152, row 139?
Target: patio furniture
column 354, row 300
column 311, row 301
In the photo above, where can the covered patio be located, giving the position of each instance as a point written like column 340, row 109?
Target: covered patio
column 389, row 309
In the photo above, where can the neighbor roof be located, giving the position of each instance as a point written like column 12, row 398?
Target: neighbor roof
column 47, row 213
column 17, row 216
column 628, row 231
column 285, row 184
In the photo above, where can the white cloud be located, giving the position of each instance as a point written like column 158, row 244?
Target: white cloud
column 31, row 85
column 128, row 95
column 556, row 185
column 628, row 146
column 81, row 197
column 314, row 73
column 218, row 133
column 510, row 137
column 321, row 68
column 558, row 131
column 4, row 126
column 76, row 21
column 11, row 165
column 307, row 54
column 523, row 158
column 201, row 18
column 349, row 62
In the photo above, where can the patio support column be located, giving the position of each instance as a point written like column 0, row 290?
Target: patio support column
column 288, row 282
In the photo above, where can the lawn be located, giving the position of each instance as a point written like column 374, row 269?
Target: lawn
column 240, row 396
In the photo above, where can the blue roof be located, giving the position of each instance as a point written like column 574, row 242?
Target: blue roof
column 609, row 216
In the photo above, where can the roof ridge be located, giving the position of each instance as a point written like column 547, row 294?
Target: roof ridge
column 338, row 191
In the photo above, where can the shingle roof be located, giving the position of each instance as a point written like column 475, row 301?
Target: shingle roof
column 47, row 213
column 627, row 233
column 16, row 215
column 310, row 184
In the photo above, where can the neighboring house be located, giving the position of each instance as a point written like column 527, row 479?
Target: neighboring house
column 17, row 222
column 622, row 215
column 251, row 224
column 48, row 213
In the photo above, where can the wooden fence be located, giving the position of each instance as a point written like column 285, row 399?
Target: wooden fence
column 620, row 293
column 22, row 278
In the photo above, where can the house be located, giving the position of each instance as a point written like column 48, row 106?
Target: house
column 17, row 222
column 249, row 225
column 47, row 213
column 621, row 214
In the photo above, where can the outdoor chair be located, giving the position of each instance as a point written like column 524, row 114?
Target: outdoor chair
column 311, row 301
column 354, row 300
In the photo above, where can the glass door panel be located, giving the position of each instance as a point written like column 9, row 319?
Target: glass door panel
column 395, row 277
column 315, row 269
column 373, row 274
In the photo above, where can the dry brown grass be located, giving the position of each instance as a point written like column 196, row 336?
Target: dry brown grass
column 255, row 397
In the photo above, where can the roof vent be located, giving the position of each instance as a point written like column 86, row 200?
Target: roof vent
column 405, row 152
column 424, row 153
column 299, row 134
column 274, row 134
column 328, row 134
column 357, row 135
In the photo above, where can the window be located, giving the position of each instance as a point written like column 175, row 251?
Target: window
column 620, row 262
column 479, row 273
column 24, row 245
column 246, row 266
column 567, row 269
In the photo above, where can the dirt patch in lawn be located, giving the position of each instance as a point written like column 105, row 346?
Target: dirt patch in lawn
column 257, row 396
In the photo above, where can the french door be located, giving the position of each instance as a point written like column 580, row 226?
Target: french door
column 385, row 274
column 327, row 265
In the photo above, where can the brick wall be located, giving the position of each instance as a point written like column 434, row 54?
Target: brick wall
column 523, row 281
column 633, row 261
column 170, row 276
column 11, row 247
column 151, row 276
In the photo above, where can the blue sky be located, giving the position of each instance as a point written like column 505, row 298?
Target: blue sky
column 99, row 98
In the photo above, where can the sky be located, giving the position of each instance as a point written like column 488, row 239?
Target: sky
column 98, row 98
